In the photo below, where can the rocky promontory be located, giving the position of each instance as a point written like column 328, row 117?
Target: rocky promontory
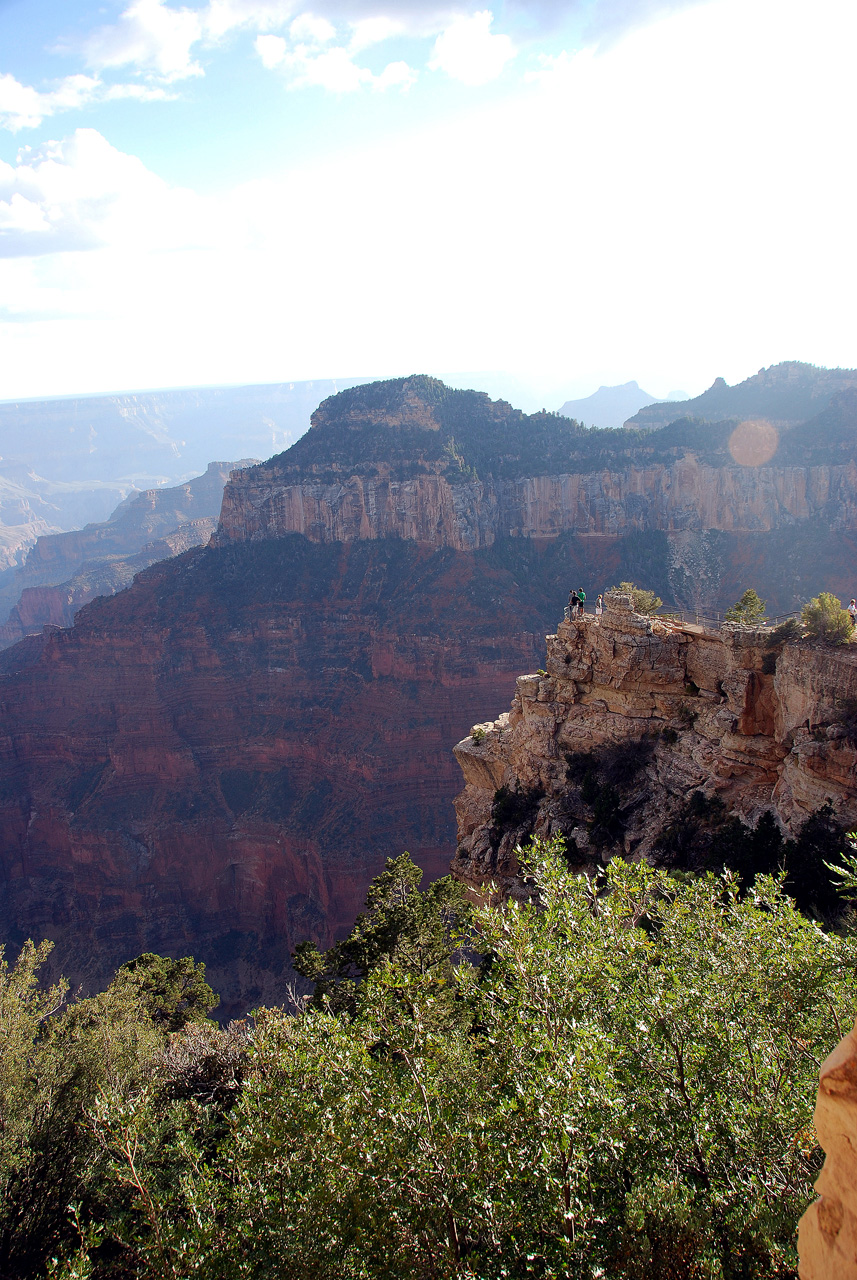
column 656, row 710
column 719, row 503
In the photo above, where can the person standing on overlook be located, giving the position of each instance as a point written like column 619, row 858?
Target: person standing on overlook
column 852, row 612
column 581, row 601
column 599, row 607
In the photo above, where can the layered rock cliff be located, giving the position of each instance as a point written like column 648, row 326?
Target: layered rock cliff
column 218, row 760
column 458, row 469
column 656, row 711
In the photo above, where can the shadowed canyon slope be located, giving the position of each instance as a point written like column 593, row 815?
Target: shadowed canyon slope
column 218, row 759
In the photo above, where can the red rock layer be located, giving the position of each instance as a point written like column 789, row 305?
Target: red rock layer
column 218, row 760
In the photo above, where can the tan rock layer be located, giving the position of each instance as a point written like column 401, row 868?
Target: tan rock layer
column 268, row 501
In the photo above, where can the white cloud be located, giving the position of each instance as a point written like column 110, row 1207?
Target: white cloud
column 151, row 37
column 468, row 51
column 333, row 69
column 24, row 107
column 369, row 31
column 223, row 16
column 396, row 75
column 307, row 29
column 82, row 193
column 271, row 49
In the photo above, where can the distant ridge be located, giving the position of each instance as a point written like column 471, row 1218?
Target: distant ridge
column 785, row 394
column 608, row 406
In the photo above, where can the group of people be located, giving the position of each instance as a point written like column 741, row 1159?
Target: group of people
column 577, row 604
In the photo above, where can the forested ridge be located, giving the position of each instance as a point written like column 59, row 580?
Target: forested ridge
column 612, row 1078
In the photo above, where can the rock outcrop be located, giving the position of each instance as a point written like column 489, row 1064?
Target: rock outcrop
column 670, row 709
column 827, row 1235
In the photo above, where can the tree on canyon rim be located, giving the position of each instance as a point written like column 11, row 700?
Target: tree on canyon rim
column 826, row 620
column 748, row 610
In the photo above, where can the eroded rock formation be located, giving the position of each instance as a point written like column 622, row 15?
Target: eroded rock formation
column 671, row 709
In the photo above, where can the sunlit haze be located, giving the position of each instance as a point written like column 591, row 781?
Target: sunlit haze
column 568, row 194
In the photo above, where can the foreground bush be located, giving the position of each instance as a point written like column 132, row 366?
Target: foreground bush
column 620, row 1086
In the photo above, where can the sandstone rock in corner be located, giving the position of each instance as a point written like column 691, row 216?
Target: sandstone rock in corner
column 827, row 1234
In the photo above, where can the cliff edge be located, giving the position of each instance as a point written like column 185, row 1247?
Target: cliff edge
column 632, row 716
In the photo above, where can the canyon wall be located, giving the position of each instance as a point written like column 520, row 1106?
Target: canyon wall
column 462, row 471
column 218, row 760
column 732, row 714
column 686, row 495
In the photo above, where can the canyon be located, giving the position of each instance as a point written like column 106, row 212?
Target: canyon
column 68, row 461
column 218, row 759
column 64, row 571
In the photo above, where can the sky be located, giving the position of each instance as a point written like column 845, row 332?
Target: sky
column 558, row 193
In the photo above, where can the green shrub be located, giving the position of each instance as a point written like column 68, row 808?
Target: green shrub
column 825, row 619
column 644, row 601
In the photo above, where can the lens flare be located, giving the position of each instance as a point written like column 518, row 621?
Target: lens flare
column 754, row 442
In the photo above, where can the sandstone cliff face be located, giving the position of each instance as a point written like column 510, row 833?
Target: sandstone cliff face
column 719, row 712
column 687, row 495
column 827, row 1236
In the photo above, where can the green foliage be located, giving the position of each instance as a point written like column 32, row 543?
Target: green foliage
column 63, row 1066
column 749, row 610
column 478, row 734
column 826, row 620
column 421, row 932
column 629, row 1096
column 703, row 837
column 786, row 632
column 644, row 601
column 173, row 992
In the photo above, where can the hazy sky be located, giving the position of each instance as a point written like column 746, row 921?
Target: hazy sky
column 574, row 193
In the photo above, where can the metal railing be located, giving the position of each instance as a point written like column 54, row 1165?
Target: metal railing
column 708, row 621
